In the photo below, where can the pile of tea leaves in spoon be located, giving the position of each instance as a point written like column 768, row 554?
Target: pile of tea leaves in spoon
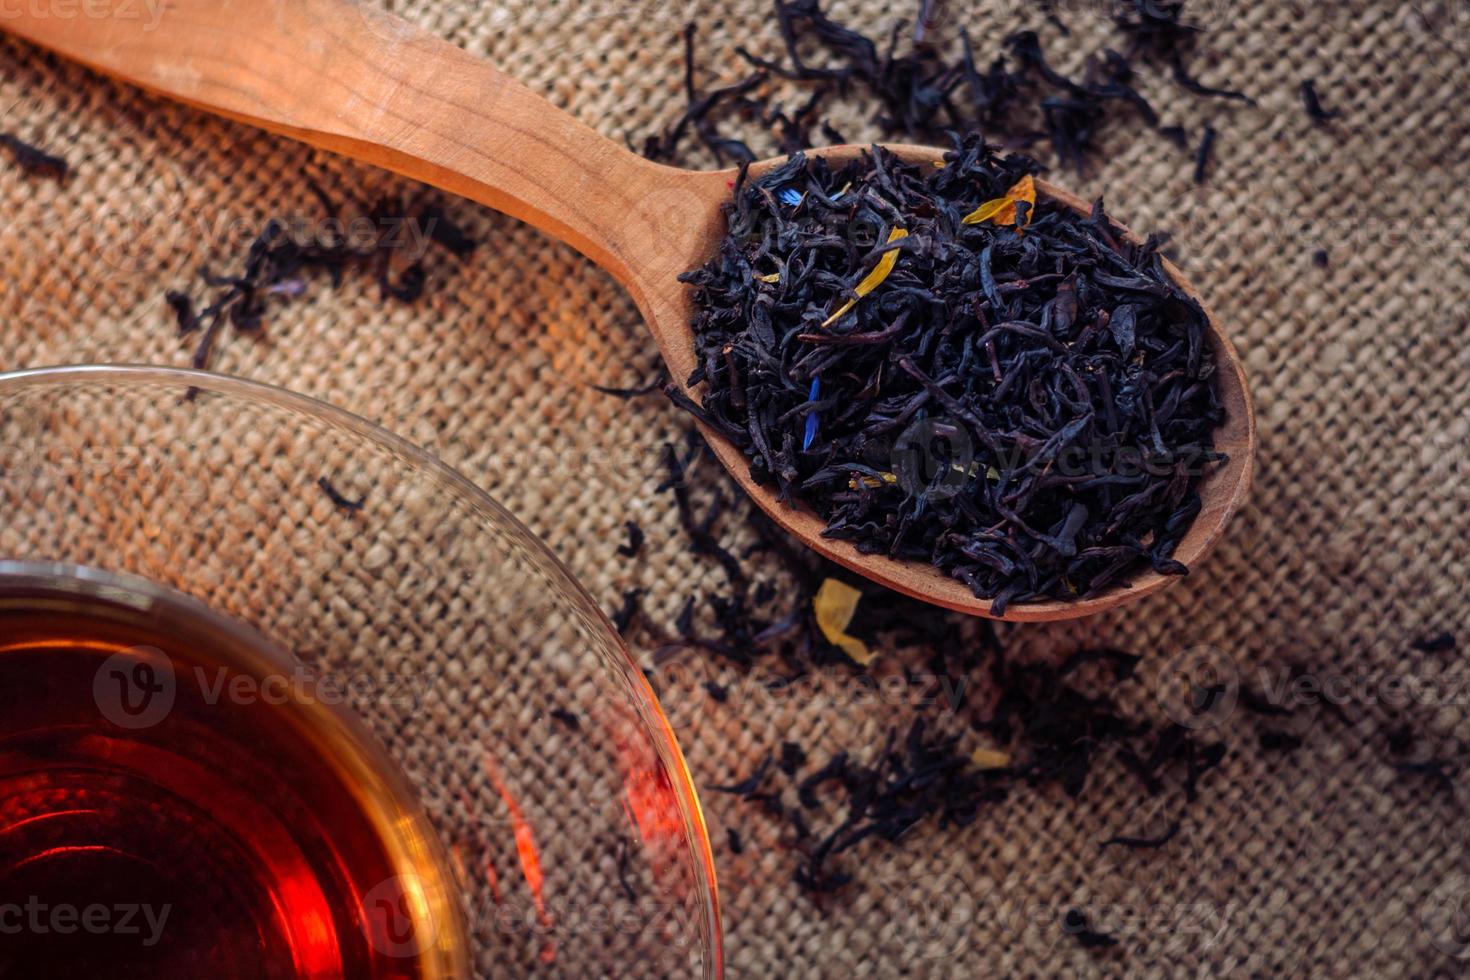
column 950, row 369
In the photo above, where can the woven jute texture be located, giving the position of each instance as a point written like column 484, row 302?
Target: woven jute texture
column 1321, row 862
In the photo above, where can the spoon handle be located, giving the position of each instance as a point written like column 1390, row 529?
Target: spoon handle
column 357, row 81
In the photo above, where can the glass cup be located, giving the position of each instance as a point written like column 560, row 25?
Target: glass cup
column 389, row 704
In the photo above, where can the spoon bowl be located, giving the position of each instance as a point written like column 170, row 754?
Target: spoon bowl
column 357, row 81
column 1222, row 490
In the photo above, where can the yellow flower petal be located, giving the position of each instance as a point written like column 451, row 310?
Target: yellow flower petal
column 842, row 311
column 773, row 278
column 1003, row 210
column 873, row 279
column 990, row 759
column 853, row 482
column 835, row 604
column 987, row 211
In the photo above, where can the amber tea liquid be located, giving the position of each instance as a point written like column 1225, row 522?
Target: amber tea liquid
column 160, row 819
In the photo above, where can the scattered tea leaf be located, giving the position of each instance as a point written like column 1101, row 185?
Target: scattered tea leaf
column 1144, row 843
column 622, row 620
column 1438, row 643
column 32, row 159
column 1074, row 924
column 1315, row 110
column 635, row 540
column 336, row 497
column 567, row 718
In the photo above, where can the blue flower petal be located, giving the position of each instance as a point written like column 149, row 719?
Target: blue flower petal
column 811, row 419
column 789, row 195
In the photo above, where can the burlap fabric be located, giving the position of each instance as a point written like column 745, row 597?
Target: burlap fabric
column 1322, row 862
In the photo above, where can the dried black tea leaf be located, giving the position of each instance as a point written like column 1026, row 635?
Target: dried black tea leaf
column 340, row 501
column 1013, row 394
column 183, row 308
column 32, row 159
column 1315, row 110
column 278, row 264
column 751, row 784
column 445, row 233
column 567, row 718
column 1075, row 924
column 1438, row 643
column 921, row 778
column 635, row 540
column 1144, row 843
column 1203, row 154
column 409, row 285
column 629, row 393
column 622, row 620
column 624, row 855
column 698, row 111
column 1274, row 741
column 925, row 92
column 1440, row 773
column 792, row 758
column 1401, row 740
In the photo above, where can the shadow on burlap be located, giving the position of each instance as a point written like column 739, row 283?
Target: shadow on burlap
column 1321, row 862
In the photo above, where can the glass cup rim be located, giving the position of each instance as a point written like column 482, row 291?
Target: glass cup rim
column 449, row 477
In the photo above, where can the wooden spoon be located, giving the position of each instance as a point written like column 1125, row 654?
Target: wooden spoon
column 357, row 81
